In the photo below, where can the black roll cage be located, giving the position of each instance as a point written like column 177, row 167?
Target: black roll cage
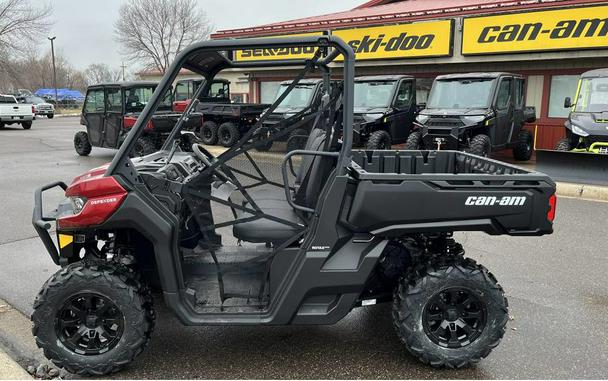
column 208, row 58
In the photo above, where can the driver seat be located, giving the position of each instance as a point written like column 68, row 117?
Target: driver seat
column 263, row 230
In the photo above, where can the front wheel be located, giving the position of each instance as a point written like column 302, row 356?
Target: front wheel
column 82, row 145
column 93, row 318
column 480, row 145
column 143, row 146
column 379, row 140
column 50, row 116
column 563, row 145
column 450, row 313
column 414, row 141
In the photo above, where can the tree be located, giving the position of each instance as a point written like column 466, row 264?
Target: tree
column 99, row 73
column 21, row 26
column 152, row 32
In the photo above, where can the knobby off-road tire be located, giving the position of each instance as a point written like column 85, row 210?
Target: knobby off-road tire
column 143, row 146
column 228, row 134
column 522, row 151
column 112, row 283
column 26, row 125
column 563, row 145
column 81, row 143
column 208, row 133
column 481, row 145
column 379, row 140
column 416, row 312
column 414, row 141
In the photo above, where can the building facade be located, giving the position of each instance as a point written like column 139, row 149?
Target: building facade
column 550, row 42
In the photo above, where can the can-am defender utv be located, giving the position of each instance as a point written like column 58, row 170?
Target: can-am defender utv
column 587, row 124
column 255, row 238
column 476, row 112
column 385, row 108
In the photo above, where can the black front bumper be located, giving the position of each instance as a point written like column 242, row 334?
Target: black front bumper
column 441, row 138
column 42, row 223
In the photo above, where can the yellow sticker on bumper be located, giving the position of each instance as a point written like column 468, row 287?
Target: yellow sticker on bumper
column 64, row 240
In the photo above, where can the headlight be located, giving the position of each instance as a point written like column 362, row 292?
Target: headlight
column 473, row 119
column 422, row 118
column 78, row 203
column 579, row 131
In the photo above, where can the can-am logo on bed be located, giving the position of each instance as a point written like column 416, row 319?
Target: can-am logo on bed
column 494, row 201
column 562, row 29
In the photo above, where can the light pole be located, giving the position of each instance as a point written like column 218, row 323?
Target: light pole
column 54, row 69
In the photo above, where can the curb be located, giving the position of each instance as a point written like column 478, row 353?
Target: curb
column 582, row 191
column 66, row 115
column 10, row 370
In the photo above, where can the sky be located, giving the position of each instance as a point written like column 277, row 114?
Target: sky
column 84, row 28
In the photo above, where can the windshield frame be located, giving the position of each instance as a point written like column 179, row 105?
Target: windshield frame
column 490, row 96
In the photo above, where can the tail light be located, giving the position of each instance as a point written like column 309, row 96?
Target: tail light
column 94, row 200
column 129, row 121
column 552, row 206
column 33, row 109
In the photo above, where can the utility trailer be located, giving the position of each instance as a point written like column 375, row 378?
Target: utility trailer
column 249, row 238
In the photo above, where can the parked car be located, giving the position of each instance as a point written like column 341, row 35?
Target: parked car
column 385, row 108
column 41, row 107
column 110, row 110
column 350, row 229
column 13, row 112
column 587, row 124
column 476, row 112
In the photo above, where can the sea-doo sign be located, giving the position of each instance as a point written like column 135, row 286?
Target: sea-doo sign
column 420, row 39
column 562, row 29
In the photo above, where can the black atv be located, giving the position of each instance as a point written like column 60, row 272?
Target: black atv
column 476, row 112
column 385, row 108
column 250, row 238
column 110, row 111
column 587, row 124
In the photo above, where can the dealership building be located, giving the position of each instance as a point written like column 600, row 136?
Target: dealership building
column 550, row 42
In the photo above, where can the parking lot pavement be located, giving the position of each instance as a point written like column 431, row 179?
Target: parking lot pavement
column 556, row 285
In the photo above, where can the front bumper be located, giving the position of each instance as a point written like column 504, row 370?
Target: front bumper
column 45, row 112
column 441, row 138
column 42, row 223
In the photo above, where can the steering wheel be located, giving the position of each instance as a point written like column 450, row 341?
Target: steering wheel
column 204, row 156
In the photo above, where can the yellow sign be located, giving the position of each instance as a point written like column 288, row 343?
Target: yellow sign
column 294, row 53
column 421, row 39
column 571, row 28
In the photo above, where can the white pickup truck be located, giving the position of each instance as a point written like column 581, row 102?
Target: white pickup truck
column 12, row 112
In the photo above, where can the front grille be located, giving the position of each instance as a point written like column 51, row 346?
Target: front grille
column 445, row 122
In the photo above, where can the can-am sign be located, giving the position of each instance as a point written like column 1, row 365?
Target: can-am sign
column 571, row 28
column 423, row 39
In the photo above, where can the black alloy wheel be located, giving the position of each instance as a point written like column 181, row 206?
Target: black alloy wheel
column 454, row 318
column 89, row 324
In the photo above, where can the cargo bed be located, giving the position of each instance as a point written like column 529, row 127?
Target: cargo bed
column 439, row 191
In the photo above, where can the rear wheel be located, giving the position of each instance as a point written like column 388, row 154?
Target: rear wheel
column 414, row 141
column 480, row 145
column 451, row 312
column 82, row 144
column 228, row 134
column 379, row 140
column 143, row 146
column 522, row 150
column 26, row 125
column 563, row 145
column 50, row 116
column 93, row 318
column 208, row 133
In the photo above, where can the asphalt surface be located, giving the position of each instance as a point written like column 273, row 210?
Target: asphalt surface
column 556, row 285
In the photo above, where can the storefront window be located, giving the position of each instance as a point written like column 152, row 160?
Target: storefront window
column 562, row 86
column 268, row 91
